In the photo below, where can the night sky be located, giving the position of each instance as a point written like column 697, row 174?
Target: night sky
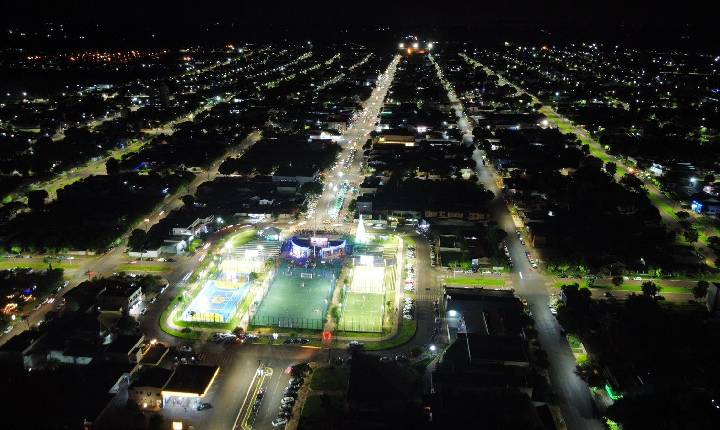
column 627, row 21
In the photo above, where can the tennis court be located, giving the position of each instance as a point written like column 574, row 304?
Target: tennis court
column 216, row 302
column 297, row 298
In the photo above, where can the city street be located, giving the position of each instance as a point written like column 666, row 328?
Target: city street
column 352, row 141
column 573, row 394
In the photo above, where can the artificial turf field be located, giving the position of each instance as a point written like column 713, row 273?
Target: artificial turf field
column 363, row 307
column 293, row 301
column 362, row 312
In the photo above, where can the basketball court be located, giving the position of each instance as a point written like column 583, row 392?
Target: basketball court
column 216, row 302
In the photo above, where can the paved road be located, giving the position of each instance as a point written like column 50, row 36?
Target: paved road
column 573, row 395
column 352, row 141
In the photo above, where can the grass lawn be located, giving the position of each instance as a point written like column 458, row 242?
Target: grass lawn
column 574, row 341
column 330, row 378
column 192, row 334
column 313, row 406
column 406, row 332
column 143, row 268
column 359, row 334
column 662, row 205
column 632, row 288
column 243, row 237
column 409, row 241
column 566, row 126
column 35, row 265
column 476, row 281
column 582, row 359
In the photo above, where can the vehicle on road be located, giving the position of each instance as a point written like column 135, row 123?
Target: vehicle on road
column 185, row 348
column 8, row 329
column 203, row 406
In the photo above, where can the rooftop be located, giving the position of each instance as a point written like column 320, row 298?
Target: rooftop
column 151, row 376
column 190, row 380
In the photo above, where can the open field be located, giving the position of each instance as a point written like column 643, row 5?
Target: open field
column 35, row 265
column 634, row 288
column 157, row 268
column 483, row 282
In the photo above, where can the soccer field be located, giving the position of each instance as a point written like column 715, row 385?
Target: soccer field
column 363, row 308
column 294, row 301
column 363, row 312
column 368, row 279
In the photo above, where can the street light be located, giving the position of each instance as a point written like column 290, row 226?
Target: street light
column 452, row 313
column 433, row 348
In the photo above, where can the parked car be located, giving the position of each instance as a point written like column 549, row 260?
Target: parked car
column 203, row 406
column 279, row 422
column 354, row 344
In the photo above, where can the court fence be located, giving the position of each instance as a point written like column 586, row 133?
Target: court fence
column 288, row 322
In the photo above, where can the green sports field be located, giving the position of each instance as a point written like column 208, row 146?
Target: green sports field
column 362, row 312
column 295, row 302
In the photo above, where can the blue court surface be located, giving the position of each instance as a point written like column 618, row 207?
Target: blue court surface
column 216, row 302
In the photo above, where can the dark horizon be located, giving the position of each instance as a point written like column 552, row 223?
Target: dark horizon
column 213, row 23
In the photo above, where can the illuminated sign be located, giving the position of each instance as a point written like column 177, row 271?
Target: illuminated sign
column 319, row 241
